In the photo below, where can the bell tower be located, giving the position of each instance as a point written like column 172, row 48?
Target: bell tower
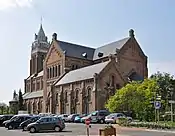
column 39, row 49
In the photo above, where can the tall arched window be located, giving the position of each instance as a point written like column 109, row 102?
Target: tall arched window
column 47, row 73
column 56, row 71
column 65, row 96
column 59, row 70
column 89, row 94
column 50, row 73
column 76, row 97
column 57, row 98
column 112, row 80
column 53, row 71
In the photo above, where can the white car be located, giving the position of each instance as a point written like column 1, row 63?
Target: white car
column 112, row 118
column 64, row 117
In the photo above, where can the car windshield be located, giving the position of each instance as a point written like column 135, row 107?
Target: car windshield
column 14, row 118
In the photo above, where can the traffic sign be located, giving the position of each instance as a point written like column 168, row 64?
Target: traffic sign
column 87, row 121
column 171, row 101
column 157, row 105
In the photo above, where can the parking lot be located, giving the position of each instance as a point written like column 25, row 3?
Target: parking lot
column 73, row 129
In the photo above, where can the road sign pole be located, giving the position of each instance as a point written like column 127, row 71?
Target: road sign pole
column 171, row 112
column 155, row 116
column 87, row 130
column 158, row 115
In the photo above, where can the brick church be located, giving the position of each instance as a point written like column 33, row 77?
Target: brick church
column 70, row 78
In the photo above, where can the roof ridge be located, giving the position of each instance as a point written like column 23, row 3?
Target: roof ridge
column 77, row 44
column 114, row 42
column 90, row 65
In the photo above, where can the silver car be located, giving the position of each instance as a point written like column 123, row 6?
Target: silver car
column 112, row 118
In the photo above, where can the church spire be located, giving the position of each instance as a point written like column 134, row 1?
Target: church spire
column 41, row 35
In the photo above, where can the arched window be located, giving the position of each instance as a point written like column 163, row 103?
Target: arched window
column 112, row 80
column 53, row 71
column 57, row 98
column 77, row 93
column 59, row 70
column 50, row 73
column 56, row 71
column 89, row 94
column 47, row 73
column 65, row 96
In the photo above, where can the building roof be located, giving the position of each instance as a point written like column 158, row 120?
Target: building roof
column 34, row 75
column 78, row 51
column 111, row 48
column 35, row 94
column 82, row 73
column 83, row 52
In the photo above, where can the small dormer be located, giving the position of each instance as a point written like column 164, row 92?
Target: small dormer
column 100, row 54
column 84, row 55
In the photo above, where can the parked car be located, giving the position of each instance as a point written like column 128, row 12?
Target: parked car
column 79, row 117
column 71, row 117
column 5, row 122
column 13, row 124
column 64, row 117
column 5, row 118
column 25, row 123
column 97, row 116
column 44, row 114
column 112, row 118
column 47, row 123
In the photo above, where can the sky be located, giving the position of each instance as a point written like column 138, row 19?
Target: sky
column 89, row 22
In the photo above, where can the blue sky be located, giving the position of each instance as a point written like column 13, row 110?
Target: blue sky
column 87, row 22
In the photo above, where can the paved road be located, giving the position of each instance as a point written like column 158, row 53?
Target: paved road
column 80, row 130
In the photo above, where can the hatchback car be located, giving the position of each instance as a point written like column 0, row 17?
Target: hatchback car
column 13, row 124
column 4, row 118
column 47, row 123
column 112, row 118
column 25, row 123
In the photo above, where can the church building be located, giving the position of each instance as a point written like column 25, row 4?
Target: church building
column 70, row 78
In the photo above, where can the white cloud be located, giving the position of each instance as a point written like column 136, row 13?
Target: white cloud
column 6, row 4
column 168, row 67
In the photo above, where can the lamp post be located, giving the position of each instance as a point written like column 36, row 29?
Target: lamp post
column 171, row 106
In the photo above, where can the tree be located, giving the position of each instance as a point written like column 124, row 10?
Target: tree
column 3, row 107
column 166, row 84
column 135, row 97
column 20, row 101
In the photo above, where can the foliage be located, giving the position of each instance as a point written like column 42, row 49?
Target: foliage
column 135, row 97
column 20, row 103
column 151, row 125
column 166, row 85
column 3, row 108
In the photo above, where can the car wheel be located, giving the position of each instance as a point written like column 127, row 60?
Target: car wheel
column 10, row 127
column 25, row 128
column 101, row 121
column 57, row 129
column 32, row 130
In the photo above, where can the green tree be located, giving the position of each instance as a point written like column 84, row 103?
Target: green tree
column 3, row 107
column 166, row 85
column 135, row 97
column 20, row 101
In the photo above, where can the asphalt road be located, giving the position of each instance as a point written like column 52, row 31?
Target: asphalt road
column 80, row 130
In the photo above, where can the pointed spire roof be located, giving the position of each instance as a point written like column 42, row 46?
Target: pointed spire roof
column 41, row 35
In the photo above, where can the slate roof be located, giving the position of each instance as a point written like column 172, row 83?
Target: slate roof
column 77, row 51
column 33, row 94
column 82, row 73
column 33, row 75
column 110, row 48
